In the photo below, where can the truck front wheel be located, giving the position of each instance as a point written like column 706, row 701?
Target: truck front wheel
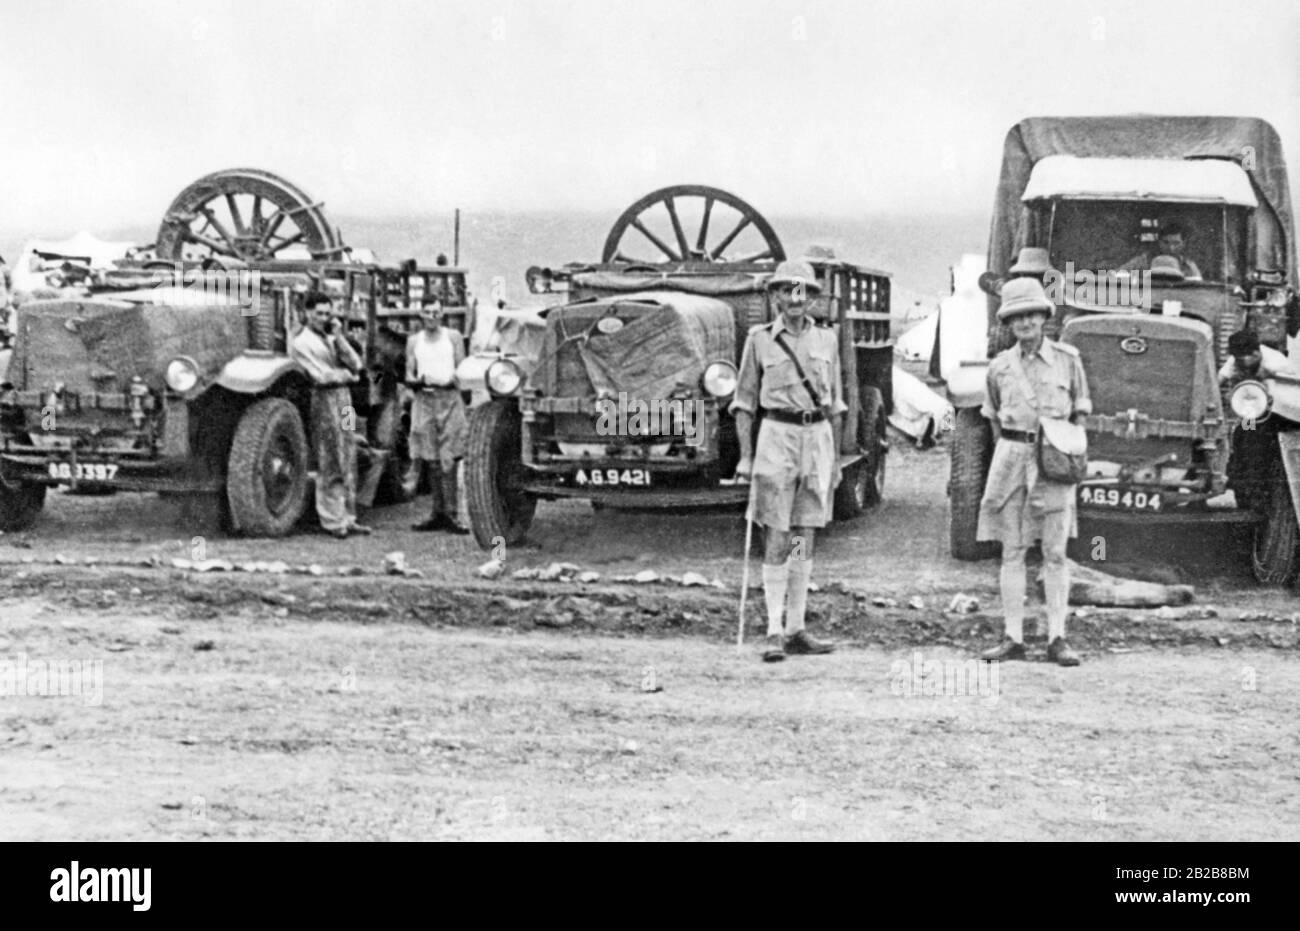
column 972, row 451
column 266, row 477
column 20, row 502
column 1275, row 556
column 499, row 508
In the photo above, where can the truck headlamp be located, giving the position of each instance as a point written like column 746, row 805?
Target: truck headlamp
column 503, row 377
column 720, row 379
column 182, row 374
column 1250, row 401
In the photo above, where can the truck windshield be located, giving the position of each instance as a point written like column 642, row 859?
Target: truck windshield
column 1109, row 236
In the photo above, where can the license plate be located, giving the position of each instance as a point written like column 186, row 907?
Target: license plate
column 611, row 477
column 83, row 472
column 1122, row 499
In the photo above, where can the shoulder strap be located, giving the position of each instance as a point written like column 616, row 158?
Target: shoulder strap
column 808, row 385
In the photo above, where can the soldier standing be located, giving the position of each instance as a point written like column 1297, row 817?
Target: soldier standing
column 1036, row 377
column 333, row 366
column 439, row 428
column 790, row 378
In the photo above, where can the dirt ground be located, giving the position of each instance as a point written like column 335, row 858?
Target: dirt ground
column 351, row 705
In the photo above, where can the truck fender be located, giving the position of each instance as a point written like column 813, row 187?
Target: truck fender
column 962, row 339
column 471, row 374
column 254, row 372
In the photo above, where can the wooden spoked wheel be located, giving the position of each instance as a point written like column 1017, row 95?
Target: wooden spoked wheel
column 247, row 215
column 691, row 223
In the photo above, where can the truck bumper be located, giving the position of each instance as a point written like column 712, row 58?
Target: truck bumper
column 75, row 468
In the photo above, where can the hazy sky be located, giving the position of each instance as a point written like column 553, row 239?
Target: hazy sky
column 799, row 106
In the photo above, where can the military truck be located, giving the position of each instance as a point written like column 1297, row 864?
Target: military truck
column 1097, row 193
column 662, row 334
column 169, row 371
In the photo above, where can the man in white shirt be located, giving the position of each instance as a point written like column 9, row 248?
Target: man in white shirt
column 333, row 366
column 1248, row 359
column 439, row 427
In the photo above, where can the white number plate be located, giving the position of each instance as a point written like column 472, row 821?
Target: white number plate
column 85, row 471
column 605, row 477
column 1124, row 499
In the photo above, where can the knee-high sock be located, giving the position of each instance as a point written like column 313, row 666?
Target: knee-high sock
column 1012, row 579
column 775, row 583
column 1056, row 574
column 800, row 575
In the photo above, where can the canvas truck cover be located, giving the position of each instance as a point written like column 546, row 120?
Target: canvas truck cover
column 97, row 345
column 1251, row 143
column 658, row 351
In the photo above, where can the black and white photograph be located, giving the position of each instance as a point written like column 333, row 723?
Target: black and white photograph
column 555, row 421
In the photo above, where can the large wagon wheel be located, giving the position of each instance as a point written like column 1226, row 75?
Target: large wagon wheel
column 663, row 217
column 244, row 214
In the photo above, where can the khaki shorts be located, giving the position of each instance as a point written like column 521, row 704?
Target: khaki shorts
column 795, row 474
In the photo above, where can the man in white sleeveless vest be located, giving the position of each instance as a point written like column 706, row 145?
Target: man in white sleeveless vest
column 1034, row 379
column 439, row 428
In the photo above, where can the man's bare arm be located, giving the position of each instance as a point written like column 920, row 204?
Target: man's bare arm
column 744, row 436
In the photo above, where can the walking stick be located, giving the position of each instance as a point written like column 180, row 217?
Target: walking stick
column 744, row 573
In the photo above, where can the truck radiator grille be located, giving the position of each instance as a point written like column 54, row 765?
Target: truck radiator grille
column 1157, row 382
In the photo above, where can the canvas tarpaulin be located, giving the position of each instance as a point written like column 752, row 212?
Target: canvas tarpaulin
column 1251, row 143
column 667, row 346
column 101, row 345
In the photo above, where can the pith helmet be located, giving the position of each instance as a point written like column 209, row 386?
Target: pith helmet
column 796, row 272
column 1023, row 296
column 1166, row 267
column 1031, row 261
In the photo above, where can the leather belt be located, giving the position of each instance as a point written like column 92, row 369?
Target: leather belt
column 1020, row 436
column 803, row 418
column 437, row 387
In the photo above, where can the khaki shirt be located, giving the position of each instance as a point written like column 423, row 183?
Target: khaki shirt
column 1055, row 373
column 768, row 378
